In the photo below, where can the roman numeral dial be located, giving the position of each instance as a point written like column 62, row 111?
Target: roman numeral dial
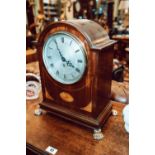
column 64, row 57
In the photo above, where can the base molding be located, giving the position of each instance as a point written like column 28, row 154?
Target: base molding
column 77, row 117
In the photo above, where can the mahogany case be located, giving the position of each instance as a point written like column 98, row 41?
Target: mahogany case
column 86, row 102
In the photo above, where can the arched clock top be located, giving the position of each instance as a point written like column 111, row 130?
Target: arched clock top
column 94, row 33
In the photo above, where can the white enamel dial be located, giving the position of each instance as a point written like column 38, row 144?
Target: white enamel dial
column 64, row 58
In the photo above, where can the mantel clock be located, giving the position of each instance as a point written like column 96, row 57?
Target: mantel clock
column 75, row 61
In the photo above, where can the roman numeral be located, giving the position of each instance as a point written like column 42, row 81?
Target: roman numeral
column 73, row 76
column 49, row 56
column 79, row 61
column 77, row 51
column 52, row 65
column 50, row 47
column 57, row 72
column 77, row 70
column 64, row 76
column 62, row 39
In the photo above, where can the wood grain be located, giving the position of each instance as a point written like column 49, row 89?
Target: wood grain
column 71, row 139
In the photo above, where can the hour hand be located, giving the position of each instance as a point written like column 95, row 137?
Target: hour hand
column 69, row 64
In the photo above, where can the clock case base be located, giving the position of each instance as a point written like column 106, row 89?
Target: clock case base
column 78, row 118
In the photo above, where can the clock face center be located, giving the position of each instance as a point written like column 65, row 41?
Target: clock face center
column 64, row 58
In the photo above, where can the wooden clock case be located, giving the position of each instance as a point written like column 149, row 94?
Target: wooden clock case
column 87, row 102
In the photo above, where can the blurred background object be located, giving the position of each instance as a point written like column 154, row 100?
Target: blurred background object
column 126, row 117
column 112, row 15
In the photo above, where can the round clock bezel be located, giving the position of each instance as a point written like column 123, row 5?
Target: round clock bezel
column 82, row 48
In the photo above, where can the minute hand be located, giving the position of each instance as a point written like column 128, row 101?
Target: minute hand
column 62, row 58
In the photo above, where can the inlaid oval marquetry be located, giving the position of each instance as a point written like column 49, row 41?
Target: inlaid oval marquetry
column 66, row 97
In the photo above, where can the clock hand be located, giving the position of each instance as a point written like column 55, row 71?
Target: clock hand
column 62, row 58
column 56, row 44
column 69, row 64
